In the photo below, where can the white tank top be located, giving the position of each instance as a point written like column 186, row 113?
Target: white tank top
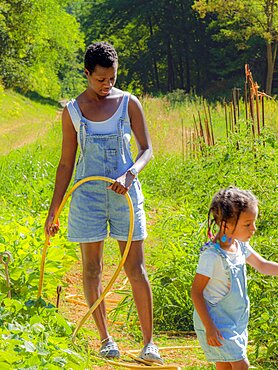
column 108, row 126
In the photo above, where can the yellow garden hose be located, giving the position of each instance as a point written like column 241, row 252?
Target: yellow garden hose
column 123, row 259
column 114, row 277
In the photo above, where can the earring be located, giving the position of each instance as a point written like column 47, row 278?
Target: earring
column 223, row 238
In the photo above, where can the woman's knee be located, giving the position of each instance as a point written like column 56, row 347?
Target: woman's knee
column 92, row 270
column 136, row 272
column 240, row 365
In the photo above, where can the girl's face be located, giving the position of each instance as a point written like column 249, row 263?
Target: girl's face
column 246, row 225
column 102, row 79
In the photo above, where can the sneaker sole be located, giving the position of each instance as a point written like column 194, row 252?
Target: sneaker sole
column 142, row 361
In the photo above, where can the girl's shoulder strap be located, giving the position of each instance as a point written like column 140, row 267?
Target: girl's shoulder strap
column 213, row 247
column 74, row 114
column 243, row 247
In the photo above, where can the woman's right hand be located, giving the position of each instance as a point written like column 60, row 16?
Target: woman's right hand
column 51, row 229
column 213, row 336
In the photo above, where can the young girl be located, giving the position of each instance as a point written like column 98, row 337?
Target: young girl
column 219, row 290
column 101, row 121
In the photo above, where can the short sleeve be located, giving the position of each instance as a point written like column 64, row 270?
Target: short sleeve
column 249, row 250
column 207, row 262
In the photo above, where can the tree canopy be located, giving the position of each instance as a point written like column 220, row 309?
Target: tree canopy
column 242, row 20
column 200, row 47
column 39, row 42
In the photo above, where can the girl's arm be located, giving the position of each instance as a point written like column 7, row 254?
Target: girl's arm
column 143, row 141
column 64, row 170
column 212, row 333
column 262, row 265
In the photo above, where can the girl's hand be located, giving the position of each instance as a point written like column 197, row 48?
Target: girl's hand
column 122, row 184
column 213, row 336
column 51, row 229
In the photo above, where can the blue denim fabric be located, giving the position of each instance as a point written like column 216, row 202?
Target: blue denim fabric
column 230, row 315
column 94, row 209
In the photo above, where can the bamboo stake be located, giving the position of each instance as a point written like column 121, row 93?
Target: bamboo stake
column 249, row 80
column 182, row 140
column 226, row 120
column 234, row 109
column 211, row 127
column 257, row 109
column 237, row 100
column 197, row 133
column 232, row 126
column 201, row 128
column 246, row 101
column 207, row 125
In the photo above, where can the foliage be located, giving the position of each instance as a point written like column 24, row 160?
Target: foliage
column 48, row 49
column 33, row 334
column 243, row 19
column 178, row 192
column 184, row 212
column 153, row 56
column 192, row 54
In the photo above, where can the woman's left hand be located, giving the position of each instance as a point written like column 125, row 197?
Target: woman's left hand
column 122, row 184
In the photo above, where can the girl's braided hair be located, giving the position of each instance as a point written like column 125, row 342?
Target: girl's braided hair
column 228, row 204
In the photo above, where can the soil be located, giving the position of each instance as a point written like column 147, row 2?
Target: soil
column 73, row 306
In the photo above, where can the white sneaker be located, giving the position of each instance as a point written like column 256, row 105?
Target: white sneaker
column 109, row 349
column 150, row 353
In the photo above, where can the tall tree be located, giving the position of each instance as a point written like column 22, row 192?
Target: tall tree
column 245, row 19
column 39, row 43
column 157, row 44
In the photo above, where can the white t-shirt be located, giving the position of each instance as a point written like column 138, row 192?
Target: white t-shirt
column 211, row 264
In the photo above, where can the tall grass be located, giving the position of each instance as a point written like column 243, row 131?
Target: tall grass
column 178, row 191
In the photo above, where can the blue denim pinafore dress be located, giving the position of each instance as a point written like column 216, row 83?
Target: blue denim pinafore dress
column 94, row 209
column 230, row 315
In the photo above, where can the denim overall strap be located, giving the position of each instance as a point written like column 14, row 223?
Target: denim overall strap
column 78, row 124
column 82, row 129
column 230, row 314
column 120, row 127
column 225, row 257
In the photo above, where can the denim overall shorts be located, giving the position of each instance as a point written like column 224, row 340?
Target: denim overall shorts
column 96, row 211
column 230, row 315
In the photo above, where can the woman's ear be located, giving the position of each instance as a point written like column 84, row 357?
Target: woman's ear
column 86, row 72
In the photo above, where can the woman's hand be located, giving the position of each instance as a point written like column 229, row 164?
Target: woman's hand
column 51, row 229
column 122, row 184
column 213, row 336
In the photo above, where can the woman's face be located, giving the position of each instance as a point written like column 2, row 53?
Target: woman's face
column 102, row 79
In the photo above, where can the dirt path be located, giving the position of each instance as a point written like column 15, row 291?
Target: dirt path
column 20, row 133
column 73, row 306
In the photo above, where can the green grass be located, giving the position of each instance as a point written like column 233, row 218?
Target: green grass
column 178, row 191
column 22, row 120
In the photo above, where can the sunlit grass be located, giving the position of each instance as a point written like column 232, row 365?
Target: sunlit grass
column 22, row 120
column 177, row 195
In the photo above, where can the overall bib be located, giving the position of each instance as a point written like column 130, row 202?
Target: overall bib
column 230, row 315
column 94, row 209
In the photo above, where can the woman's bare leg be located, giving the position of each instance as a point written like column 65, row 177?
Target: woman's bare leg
column 137, row 275
column 240, row 365
column 223, row 366
column 92, row 271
